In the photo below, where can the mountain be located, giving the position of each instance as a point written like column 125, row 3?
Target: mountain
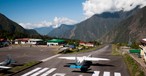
column 9, row 28
column 61, row 32
column 100, row 24
column 132, row 28
column 94, row 27
column 44, row 30
column 31, row 32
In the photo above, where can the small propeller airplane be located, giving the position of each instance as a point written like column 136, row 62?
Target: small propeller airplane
column 83, row 63
column 6, row 62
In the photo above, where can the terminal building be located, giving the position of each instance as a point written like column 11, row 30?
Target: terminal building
column 27, row 41
column 55, row 42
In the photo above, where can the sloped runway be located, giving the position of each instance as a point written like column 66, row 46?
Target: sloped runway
column 56, row 67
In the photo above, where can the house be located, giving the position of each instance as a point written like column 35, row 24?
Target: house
column 21, row 41
column 143, row 49
column 87, row 44
column 34, row 41
column 27, row 41
column 143, row 52
column 55, row 42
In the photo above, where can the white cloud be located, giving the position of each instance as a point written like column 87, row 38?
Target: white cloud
column 91, row 7
column 58, row 21
column 36, row 25
column 26, row 25
column 55, row 23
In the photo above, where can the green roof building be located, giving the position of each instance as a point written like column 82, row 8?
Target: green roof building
column 55, row 42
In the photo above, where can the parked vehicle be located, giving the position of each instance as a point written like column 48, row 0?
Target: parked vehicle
column 4, row 43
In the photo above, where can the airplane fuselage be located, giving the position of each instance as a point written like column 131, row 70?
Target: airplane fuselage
column 82, row 64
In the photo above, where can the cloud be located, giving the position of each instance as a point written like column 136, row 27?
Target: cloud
column 36, row 25
column 91, row 7
column 26, row 25
column 55, row 23
column 58, row 21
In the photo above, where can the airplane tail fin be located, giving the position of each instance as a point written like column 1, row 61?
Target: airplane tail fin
column 9, row 60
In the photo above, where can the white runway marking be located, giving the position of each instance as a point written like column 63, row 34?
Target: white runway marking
column 48, row 72
column 49, row 58
column 96, row 73
column 39, row 72
column 106, row 74
column 117, row 74
column 26, row 74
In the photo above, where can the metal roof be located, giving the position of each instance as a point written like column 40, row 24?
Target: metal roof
column 56, row 40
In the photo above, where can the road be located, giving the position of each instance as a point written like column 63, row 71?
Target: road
column 56, row 67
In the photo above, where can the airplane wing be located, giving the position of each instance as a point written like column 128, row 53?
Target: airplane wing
column 68, row 58
column 96, row 59
column 86, row 58
column 4, row 67
column 71, row 58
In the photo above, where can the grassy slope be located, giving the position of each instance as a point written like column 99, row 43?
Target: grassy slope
column 132, row 65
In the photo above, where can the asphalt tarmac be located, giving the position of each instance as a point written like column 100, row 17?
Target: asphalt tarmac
column 23, row 54
column 52, row 66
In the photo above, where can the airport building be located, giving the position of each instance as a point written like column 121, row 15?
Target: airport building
column 34, row 41
column 21, row 40
column 27, row 41
column 55, row 42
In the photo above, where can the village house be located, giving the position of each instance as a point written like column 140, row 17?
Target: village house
column 87, row 44
column 143, row 49
column 27, row 41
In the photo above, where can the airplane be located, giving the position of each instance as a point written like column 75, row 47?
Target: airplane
column 83, row 63
column 6, row 62
column 5, row 67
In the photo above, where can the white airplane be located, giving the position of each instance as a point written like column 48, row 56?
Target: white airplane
column 5, row 63
column 5, row 67
column 83, row 63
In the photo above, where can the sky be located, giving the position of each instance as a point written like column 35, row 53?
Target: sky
column 33, row 13
column 44, row 13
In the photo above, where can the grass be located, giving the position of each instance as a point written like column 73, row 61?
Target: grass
column 115, row 50
column 26, row 65
column 133, row 66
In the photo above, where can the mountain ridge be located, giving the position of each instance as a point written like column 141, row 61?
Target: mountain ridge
column 44, row 30
column 61, row 32
column 96, row 26
column 133, row 27
column 11, row 29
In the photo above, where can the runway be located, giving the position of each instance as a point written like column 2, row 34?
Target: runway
column 56, row 67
